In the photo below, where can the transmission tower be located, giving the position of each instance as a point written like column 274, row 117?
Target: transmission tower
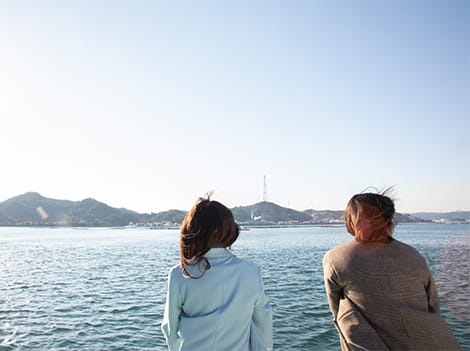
column 265, row 190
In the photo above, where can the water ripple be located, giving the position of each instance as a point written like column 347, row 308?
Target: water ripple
column 105, row 289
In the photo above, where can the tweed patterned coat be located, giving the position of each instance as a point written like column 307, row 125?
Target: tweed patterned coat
column 383, row 297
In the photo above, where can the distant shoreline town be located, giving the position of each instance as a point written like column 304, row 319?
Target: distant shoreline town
column 33, row 209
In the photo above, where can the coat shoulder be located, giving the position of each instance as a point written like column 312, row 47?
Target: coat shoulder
column 339, row 250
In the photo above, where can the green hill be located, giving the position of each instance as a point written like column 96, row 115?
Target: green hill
column 268, row 212
column 33, row 209
column 173, row 216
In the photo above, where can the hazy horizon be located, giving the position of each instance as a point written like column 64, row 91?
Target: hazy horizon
column 241, row 205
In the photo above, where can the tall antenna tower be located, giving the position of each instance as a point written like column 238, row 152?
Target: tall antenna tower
column 265, row 190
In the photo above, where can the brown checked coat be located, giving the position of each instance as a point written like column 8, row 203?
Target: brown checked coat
column 383, row 297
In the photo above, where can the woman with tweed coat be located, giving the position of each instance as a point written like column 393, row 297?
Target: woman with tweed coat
column 380, row 290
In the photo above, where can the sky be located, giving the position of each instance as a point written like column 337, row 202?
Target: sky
column 149, row 105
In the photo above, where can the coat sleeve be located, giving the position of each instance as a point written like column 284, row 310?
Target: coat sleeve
column 433, row 298
column 261, row 337
column 333, row 290
column 171, row 315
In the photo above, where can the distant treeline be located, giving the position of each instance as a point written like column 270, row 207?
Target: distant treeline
column 33, row 209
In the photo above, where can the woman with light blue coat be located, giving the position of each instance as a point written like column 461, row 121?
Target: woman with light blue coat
column 215, row 300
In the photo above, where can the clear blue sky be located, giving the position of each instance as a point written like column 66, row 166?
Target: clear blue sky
column 149, row 104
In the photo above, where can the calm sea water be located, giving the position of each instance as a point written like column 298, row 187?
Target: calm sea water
column 104, row 289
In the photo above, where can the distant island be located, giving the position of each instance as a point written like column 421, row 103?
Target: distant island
column 33, row 209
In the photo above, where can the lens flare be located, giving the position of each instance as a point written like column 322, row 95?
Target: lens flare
column 42, row 213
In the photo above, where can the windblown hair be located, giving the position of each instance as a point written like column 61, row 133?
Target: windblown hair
column 372, row 211
column 207, row 225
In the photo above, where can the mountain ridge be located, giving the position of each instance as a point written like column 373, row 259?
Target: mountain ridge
column 33, row 209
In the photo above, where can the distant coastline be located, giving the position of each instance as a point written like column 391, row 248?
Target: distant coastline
column 34, row 210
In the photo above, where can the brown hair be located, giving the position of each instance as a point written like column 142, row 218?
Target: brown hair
column 207, row 225
column 369, row 217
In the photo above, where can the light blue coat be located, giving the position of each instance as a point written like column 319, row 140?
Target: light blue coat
column 226, row 309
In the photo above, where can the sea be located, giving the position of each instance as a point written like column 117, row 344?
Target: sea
column 104, row 288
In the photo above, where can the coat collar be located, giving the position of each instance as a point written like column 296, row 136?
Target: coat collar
column 218, row 252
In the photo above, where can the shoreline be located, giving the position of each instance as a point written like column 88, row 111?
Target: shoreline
column 242, row 226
